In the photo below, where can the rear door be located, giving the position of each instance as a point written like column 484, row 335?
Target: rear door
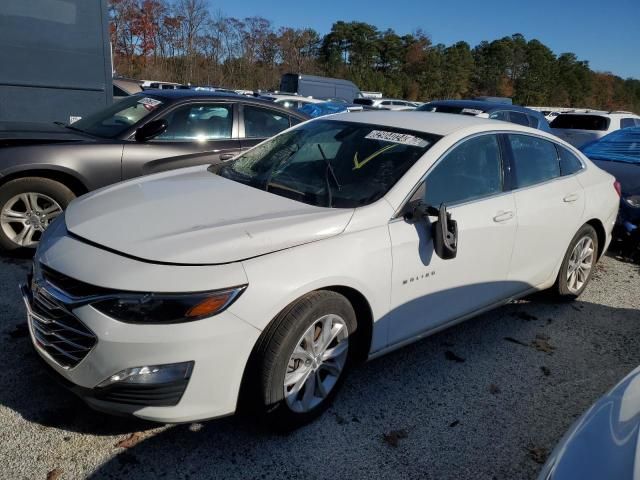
column 199, row 133
column 549, row 206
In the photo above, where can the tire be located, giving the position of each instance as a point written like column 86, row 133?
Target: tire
column 309, row 315
column 566, row 287
column 20, row 229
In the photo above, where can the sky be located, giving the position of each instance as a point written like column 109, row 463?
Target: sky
column 606, row 33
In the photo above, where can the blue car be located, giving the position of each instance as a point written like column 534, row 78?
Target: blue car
column 490, row 109
column 619, row 154
column 603, row 443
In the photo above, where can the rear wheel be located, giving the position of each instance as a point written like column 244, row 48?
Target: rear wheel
column 578, row 264
column 27, row 207
column 304, row 356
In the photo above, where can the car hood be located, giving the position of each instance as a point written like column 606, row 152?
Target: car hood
column 603, row 443
column 24, row 133
column 628, row 174
column 195, row 217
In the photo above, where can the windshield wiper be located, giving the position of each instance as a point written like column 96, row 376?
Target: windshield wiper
column 328, row 170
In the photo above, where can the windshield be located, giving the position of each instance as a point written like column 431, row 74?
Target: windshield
column 581, row 122
column 331, row 163
column 619, row 146
column 113, row 121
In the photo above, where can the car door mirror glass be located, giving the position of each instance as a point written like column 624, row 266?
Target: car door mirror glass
column 151, row 130
column 445, row 235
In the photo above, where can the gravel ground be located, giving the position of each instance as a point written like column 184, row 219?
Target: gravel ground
column 483, row 400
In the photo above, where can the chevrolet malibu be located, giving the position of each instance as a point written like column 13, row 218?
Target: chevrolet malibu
column 264, row 279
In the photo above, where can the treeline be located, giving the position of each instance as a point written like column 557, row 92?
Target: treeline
column 184, row 41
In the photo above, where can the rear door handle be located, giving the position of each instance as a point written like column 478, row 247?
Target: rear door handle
column 227, row 156
column 503, row 216
column 571, row 198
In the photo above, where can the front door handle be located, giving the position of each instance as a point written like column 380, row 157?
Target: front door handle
column 572, row 197
column 503, row 216
column 227, row 156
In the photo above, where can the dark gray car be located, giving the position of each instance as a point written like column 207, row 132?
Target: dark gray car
column 44, row 167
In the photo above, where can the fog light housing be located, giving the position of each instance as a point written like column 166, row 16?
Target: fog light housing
column 151, row 374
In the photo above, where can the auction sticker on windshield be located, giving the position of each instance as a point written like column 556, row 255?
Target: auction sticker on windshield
column 395, row 137
column 150, row 103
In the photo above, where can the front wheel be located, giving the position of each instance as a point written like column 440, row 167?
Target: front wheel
column 304, row 356
column 27, row 207
column 578, row 264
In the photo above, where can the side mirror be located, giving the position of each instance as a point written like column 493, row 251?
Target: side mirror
column 444, row 231
column 151, row 129
column 445, row 235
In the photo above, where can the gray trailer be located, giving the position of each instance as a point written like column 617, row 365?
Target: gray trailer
column 55, row 60
column 319, row 87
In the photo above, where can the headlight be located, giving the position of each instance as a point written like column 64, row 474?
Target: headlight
column 633, row 200
column 159, row 308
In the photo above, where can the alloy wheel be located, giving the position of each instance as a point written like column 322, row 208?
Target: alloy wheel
column 316, row 363
column 580, row 264
column 25, row 216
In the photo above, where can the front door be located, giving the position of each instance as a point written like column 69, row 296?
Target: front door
column 428, row 291
column 194, row 129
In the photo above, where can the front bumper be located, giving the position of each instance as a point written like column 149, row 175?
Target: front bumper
column 219, row 347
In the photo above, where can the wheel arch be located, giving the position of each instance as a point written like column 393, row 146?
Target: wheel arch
column 63, row 176
column 598, row 226
column 364, row 335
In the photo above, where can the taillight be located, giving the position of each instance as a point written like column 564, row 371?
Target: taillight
column 618, row 188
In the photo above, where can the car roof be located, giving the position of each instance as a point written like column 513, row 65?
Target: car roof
column 483, row 105
column 427, row 122
column 176, row 95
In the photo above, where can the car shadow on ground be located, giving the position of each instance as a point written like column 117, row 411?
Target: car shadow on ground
column 490, row 380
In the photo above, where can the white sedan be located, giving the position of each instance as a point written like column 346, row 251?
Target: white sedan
column 265, row 278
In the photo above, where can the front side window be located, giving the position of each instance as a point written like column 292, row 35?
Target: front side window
column 263, row 123
column 627, row 122
column 569, row 163
column 199, row 122
column 471, row 171
column 534, row 160
column 330, row 163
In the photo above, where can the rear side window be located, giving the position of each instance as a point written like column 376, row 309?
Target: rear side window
column 581, row 122
column 534, row 160
column 471, row 171
column 627, row 122
column 569, row 163
column 263, row 123
column 500, row 115
column 533, row 121
column 519, row 118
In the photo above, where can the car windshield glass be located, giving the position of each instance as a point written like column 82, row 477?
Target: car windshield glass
column 119, row 117
column 331, row 163
column 581, row 122
column 619, row 146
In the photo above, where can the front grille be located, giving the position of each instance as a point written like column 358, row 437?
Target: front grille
column 57, row 331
